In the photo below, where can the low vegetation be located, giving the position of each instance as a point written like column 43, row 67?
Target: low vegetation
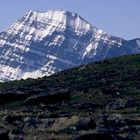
column 97, row 100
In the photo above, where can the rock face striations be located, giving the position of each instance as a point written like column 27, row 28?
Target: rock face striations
column 43, row 43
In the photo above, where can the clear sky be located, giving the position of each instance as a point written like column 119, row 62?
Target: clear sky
column 117, row 17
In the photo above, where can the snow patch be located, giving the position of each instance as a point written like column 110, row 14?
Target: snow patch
column 138, row 43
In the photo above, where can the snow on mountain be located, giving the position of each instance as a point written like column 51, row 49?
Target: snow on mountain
column 43, row 43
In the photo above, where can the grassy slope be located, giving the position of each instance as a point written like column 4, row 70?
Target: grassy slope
column 117, row 77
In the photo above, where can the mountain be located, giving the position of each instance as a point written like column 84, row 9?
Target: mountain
column 43, row 43
column 96, row 101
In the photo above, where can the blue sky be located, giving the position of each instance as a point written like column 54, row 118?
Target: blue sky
column 117, row 17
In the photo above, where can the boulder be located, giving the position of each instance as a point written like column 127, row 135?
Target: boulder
column 11, row 118
column 4, row 135
column 47, row 98
column 85, row 124
column 12, row 97
column 95, row 136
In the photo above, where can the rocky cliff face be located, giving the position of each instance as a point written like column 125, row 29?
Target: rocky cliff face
column 43, row 43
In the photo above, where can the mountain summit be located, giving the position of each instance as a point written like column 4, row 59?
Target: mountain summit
column 43, row 43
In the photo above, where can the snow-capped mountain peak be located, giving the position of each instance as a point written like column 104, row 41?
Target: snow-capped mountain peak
column 42, row 43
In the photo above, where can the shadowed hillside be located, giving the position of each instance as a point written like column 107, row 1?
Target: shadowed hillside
column 95, row 101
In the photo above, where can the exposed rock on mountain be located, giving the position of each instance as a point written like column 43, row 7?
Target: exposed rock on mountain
column 43, row 43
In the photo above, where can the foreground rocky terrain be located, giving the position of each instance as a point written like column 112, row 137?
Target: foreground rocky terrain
column 63, row 121
column 91, row 102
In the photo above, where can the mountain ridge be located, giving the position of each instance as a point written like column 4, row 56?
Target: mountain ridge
column 43, row 43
